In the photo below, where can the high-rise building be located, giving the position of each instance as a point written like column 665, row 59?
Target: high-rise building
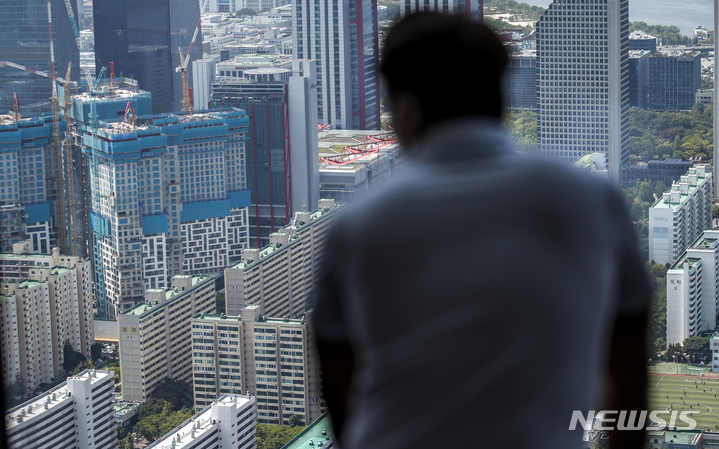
column 680, row 216
column 77, row 413
column 282, row 163
column 203, row 74
column 142, row 38
column 228, row 423
column 674, row 78
column 280, row 276
column 639, row 78
column 583, row 77
column 471, row 8
column 342, row 38
column 155, row 337
column 28, row 184
column 693, row 289
column 45, row 301
column 25, row 40
column 171, row 198
column 274, row 359
column 520, row 82
column 639, row 40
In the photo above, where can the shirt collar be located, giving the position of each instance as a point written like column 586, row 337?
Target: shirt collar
column 463, row 139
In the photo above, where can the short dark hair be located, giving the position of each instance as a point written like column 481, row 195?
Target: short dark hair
column 452, row 64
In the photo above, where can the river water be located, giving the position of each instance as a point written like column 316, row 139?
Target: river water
column 686, row 14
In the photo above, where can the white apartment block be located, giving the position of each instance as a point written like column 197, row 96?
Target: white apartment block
column 680, row 216
column 693, row 289
column 714, row 345
column 155, row 341
column 280, row 276
column 583, row 80
column 79, row 413
column 274, row 359
column 45, row 301
column 227, row 423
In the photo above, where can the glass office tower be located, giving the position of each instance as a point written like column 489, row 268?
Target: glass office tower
column 25, row 40
column 142, row 38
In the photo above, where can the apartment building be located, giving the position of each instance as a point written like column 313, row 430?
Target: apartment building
column 45, row 301
column 278, row 277
column 228, row 423
column 169, row 196
column 78, row 413
column 274, row 359
column 681, row 215
column 29, row 208
column 693, row 289
column 155, row 341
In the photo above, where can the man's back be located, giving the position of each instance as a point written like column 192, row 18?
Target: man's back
column 477, row 293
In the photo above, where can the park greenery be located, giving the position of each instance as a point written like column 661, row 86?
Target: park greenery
column 667, row 34
column 270, row 436
column 526, row 11
column 652, row 134
column 392, row 8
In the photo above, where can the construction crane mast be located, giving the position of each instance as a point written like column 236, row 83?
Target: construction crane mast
column 56, row 143
column 185, row 61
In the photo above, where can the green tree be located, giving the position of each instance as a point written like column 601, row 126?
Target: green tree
column 246, row 12
column 96, row 351
column 177, row 392
column 715, row 211
column 121, row 432
column 71, row 358
column 220, row 302
column 153, row 426
column 660, row 189
column 270, row 436
column 116, row 370
column 697, row 347
column 295, row 420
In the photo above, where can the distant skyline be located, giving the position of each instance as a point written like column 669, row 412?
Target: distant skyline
column 686, row 14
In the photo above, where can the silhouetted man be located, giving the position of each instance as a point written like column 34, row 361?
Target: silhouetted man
column 484, row 295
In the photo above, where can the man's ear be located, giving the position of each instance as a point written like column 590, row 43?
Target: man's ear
column 407, row 116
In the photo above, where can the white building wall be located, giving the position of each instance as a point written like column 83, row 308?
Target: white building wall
column 203, row 72
column 304, row 156
column 683, row 303
column 211, row 244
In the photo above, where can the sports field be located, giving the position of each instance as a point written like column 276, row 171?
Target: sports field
column 698, row 395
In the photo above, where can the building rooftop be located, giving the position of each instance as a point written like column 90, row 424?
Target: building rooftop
column 50, row 399
column 640, row 35
column 679, row 264
column 669, row 204
column 318, row 433
column 188, row 433
column 704, row 243
column 171, row 294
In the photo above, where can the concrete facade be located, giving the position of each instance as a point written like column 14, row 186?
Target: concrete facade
column 279, row 277
column 227, row 423
column 52, row 296
column 583, row 76
column 78, row 413
column 274, row 359
column 693, row 289
column 155, row 341
column 680, row 216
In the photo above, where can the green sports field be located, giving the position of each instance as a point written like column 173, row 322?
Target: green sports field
column 698, row 395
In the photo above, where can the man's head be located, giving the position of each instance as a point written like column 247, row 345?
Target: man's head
column 440, row 67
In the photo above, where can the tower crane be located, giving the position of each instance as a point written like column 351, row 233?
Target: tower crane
column 185, row 61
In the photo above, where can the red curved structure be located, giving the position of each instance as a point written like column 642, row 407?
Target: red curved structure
column 370, row 145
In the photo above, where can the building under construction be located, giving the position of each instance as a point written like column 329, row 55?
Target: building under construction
column 168, row 195
column 28, row 183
